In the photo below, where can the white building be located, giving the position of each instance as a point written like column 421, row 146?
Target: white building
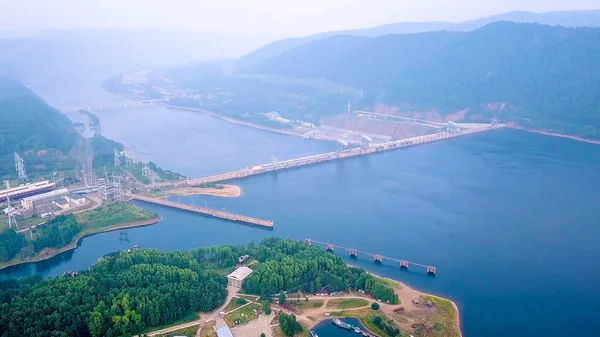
column 236, row 278
column 76, row 199
column 61, row 203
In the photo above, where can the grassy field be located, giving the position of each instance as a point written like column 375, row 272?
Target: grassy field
column 112, row 213
column 188, row 332
column 208, row 329
column 303, row 304
column 347, row 303
column 192, row 316
column 444, row 323
column 235, row 303
column 244, row 315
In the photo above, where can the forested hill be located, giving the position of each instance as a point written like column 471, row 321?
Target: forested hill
column 542, row 77
column 29, row 123
column 585, row 18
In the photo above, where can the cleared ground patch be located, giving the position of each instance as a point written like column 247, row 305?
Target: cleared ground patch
column 188, row 332
column 208, row 329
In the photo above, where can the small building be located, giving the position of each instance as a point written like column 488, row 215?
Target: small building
column 224, row 332
column 43, row 203
column 236, row 278
column 62, row 203
column 76, row 199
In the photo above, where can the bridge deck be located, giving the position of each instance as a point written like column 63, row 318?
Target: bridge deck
column 402, row 263
column 206, row 211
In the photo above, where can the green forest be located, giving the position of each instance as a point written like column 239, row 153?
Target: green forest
column 127, row 293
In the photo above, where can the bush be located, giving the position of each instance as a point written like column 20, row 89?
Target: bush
column 241, row 301
column 375, row 306
column 266, row 307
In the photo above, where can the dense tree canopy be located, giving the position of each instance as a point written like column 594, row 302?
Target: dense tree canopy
column 11, row 243
column 287, row 265
column 125, row 293
column 57, row 232
column 120, row 295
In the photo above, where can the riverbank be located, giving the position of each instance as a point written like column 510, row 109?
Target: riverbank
column 48, row 253
column 560, row 135
column 227, row 191
column 443, row 312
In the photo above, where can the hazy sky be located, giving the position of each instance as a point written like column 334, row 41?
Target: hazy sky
column 296, row 17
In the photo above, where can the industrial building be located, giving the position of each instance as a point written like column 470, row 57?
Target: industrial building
column 43, row 203
column 76, row 199
column 62, row 203
column 236, row 278
column 26, row 190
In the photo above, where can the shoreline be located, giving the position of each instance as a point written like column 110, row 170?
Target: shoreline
column 559, row 135
column 403, row 285
column 77, row 239
column 233, row 120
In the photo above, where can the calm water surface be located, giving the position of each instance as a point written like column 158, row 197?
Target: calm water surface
column 326, row 328
column 510, row 219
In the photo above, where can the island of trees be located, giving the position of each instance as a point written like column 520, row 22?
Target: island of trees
column 127, row 293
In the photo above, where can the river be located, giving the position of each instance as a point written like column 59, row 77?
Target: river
column 510, row 219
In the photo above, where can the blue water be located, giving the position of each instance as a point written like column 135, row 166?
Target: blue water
column 327, row 329
column 510, row 219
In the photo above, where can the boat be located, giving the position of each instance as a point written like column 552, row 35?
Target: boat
column 313, row 333
column 341, row 324
column 357, row 330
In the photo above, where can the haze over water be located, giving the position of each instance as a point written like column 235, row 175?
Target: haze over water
column 510, row 219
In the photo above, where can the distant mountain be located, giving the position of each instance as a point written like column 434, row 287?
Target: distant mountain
column 590, row 18
column 51, row 57
column 539, row 76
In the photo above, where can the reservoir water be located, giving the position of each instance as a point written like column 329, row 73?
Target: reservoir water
column 510, row 219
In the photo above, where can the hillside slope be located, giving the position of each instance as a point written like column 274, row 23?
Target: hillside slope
column 538, row 76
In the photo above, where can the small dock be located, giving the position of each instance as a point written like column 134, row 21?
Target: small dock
column 377, row 258
column 205, row 211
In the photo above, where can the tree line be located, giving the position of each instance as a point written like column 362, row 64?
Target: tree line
column 287, row 265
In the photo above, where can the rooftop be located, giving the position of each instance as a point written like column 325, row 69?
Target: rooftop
column 76, row 196
column 61, row 201
column 224, row 332
column 55, row 193
column 241, row 273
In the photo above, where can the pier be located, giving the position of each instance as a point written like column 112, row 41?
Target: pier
column 366, row 149
column 377, row 258
column 205, row 211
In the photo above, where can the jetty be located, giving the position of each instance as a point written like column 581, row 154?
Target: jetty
column 377, row 258
column 205, row 211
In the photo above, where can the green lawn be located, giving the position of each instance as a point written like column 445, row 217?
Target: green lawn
column 244, row 315
column 347, row 303
column 303, row 304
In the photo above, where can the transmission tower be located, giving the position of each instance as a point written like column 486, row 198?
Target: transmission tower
column 117, row 189
column 11, row 214
column 349, row 106
column 20, row 167
column 145, row 168
column 117, row 158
